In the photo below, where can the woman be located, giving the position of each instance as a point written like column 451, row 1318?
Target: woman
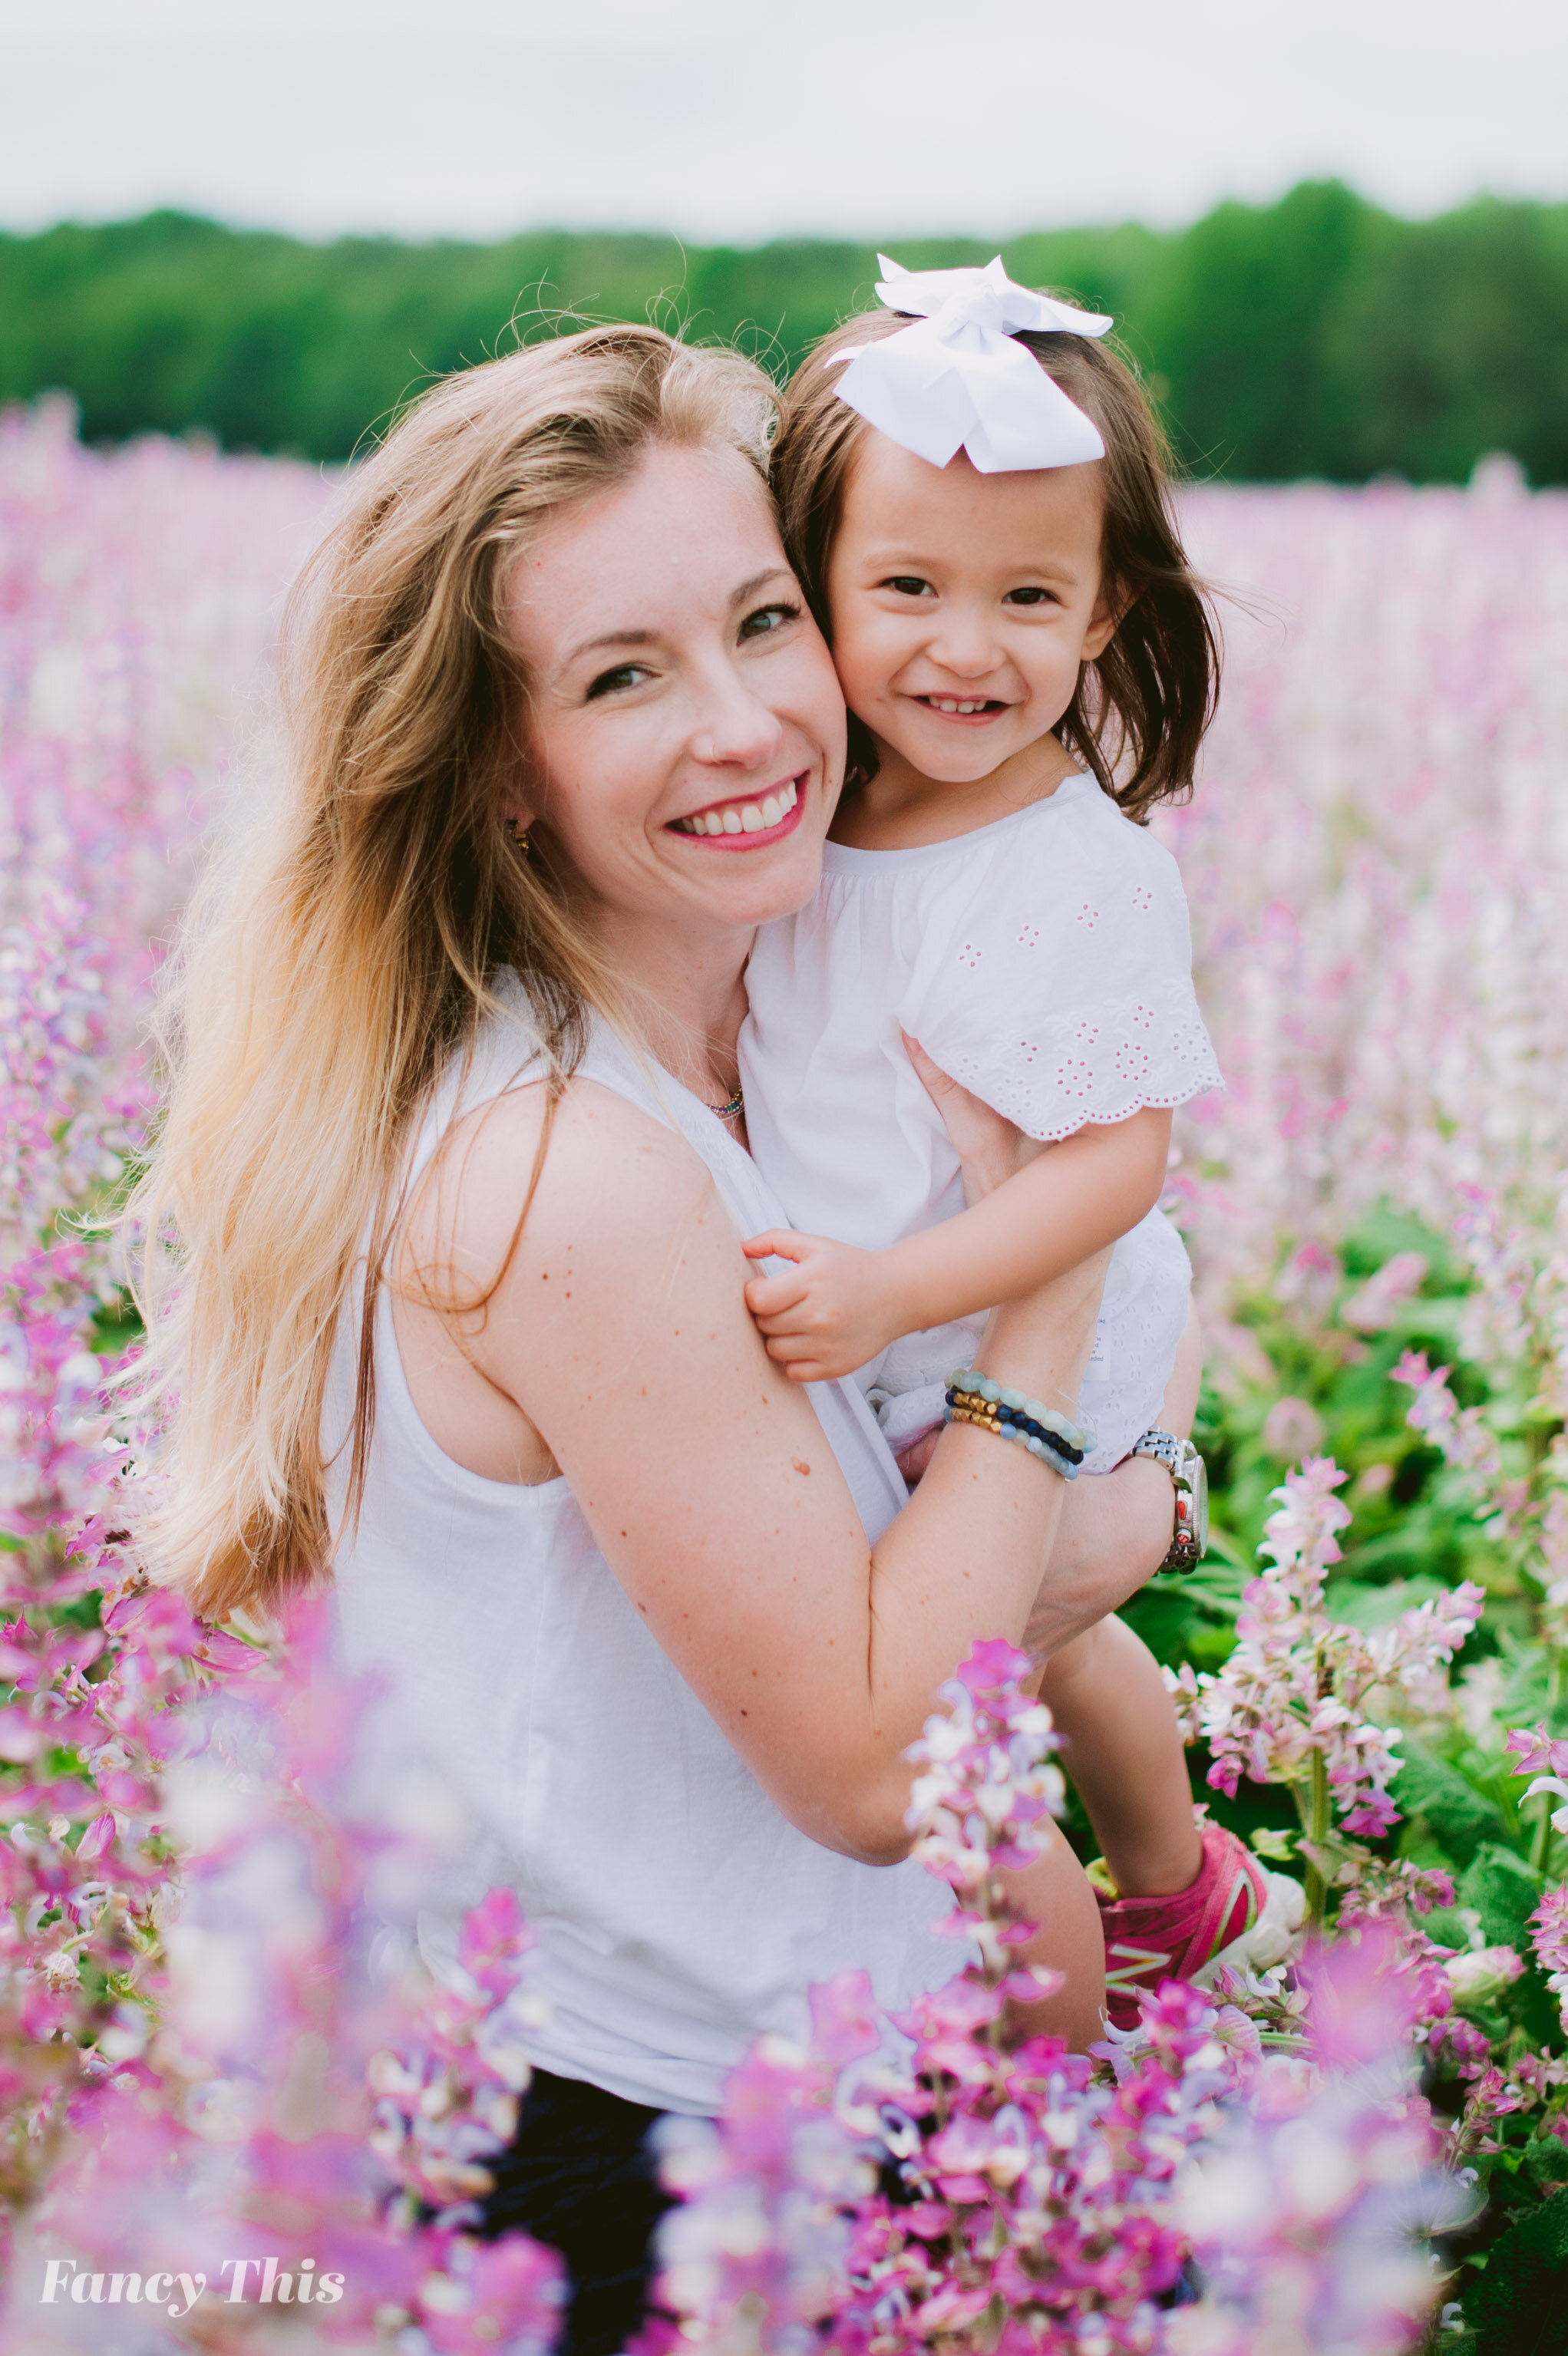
column 460, row 1184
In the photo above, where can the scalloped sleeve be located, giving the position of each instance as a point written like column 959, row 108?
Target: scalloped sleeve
column 1055, row 979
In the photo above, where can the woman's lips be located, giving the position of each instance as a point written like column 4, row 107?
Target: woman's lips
column 747, row 821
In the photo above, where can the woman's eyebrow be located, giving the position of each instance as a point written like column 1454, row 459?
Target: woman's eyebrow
column 651, row 637
column 610, row 638
column 760, row 581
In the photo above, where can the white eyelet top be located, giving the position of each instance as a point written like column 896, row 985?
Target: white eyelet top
column 679, row 1915
column 1045, row 962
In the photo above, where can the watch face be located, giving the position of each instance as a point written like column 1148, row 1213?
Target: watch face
column 1196, row 1471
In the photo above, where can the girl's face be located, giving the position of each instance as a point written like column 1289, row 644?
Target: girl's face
column 686, row 729
column 963, row 605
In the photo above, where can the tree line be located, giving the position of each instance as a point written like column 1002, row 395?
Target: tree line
column 1318, row 335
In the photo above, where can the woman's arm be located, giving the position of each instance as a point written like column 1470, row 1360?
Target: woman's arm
column 835, row 1307
column 1114, row 1532
column 618, row 1333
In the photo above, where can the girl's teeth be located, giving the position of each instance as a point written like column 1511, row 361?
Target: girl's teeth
column 732, row 821
column 771, row 812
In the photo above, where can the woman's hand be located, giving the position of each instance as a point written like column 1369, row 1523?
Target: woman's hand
column 989, row 1148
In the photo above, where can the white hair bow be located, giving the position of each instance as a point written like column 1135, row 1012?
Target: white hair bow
column 956, row 378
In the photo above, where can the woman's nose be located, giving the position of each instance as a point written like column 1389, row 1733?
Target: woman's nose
column 734, row 730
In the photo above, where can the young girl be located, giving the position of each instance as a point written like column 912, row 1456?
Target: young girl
column 978, row 510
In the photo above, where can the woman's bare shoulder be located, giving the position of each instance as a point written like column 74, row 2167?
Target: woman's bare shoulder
column 611, row 1181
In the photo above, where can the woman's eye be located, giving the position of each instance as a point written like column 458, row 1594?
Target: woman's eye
column 768, row 618
column 908, row 585
column 1030, row 597
column 624, row 675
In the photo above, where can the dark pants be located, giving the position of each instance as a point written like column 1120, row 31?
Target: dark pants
column 578, row 2177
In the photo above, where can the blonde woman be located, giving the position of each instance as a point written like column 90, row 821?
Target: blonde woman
column 456, row 1157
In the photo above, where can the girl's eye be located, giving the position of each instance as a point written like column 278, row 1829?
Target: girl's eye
column 908, row 585
column 1030, row 597
column 768, row 618
column 624, row 675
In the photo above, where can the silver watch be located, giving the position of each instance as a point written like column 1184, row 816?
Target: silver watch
column 1189, row 1475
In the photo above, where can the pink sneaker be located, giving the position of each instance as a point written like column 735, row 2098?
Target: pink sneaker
column 1234, row 1914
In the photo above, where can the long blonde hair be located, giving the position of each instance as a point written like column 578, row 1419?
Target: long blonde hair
column 348, row 955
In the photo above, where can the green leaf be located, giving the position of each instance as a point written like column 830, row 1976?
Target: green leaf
column 1518, row 2307
column 1462, row 1817
column 1505, row 1892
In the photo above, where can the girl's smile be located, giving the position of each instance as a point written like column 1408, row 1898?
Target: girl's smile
column 974, row 708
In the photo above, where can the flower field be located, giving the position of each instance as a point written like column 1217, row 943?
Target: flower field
column 219, row 2076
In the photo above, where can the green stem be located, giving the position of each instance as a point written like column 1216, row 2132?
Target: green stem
column 1541, row 1840
column 1318, row 1822
column 1540, row 1844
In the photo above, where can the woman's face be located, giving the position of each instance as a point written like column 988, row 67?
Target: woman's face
column 686, row 728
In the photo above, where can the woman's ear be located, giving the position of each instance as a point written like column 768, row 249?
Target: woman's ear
column 522, row 795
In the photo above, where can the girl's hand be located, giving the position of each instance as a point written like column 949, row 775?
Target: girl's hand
column 828, row 1313
column 988, row 1146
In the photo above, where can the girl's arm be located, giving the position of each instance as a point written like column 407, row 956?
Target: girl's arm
column 837, row 1307
column 619, row 1340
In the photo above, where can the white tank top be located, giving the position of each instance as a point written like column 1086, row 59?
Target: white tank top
column 678, row 1914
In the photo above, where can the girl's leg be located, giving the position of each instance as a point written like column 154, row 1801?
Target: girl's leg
column 1055, row 1892
column 1185, row 1901
column 1123, row 1749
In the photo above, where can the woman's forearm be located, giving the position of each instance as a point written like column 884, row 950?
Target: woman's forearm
column 1114, row 1533
column 967, row 1555
column 1056, row 1212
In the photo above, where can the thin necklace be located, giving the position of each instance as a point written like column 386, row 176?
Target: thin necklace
column 733, row 1110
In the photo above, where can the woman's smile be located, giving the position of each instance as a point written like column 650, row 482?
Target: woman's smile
column 745, row 822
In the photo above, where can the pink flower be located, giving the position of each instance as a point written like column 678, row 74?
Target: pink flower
column 1373, row 1308
column 1536, row 1752
column 1293, row 1429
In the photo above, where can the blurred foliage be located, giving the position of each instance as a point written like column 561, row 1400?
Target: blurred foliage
column 1417, row 1529
column 1318, row 335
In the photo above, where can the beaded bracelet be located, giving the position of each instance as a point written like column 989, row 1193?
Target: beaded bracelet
column 984, row 1420
column 975, row 1398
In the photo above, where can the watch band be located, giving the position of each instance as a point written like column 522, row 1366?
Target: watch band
column 1189, row 1479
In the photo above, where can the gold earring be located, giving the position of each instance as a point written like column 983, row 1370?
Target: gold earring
column 518, row 837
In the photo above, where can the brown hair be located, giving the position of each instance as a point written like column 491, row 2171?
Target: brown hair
column 353, row 949
column 1142, row 708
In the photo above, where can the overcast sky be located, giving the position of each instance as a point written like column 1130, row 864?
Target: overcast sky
column 719, row 119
